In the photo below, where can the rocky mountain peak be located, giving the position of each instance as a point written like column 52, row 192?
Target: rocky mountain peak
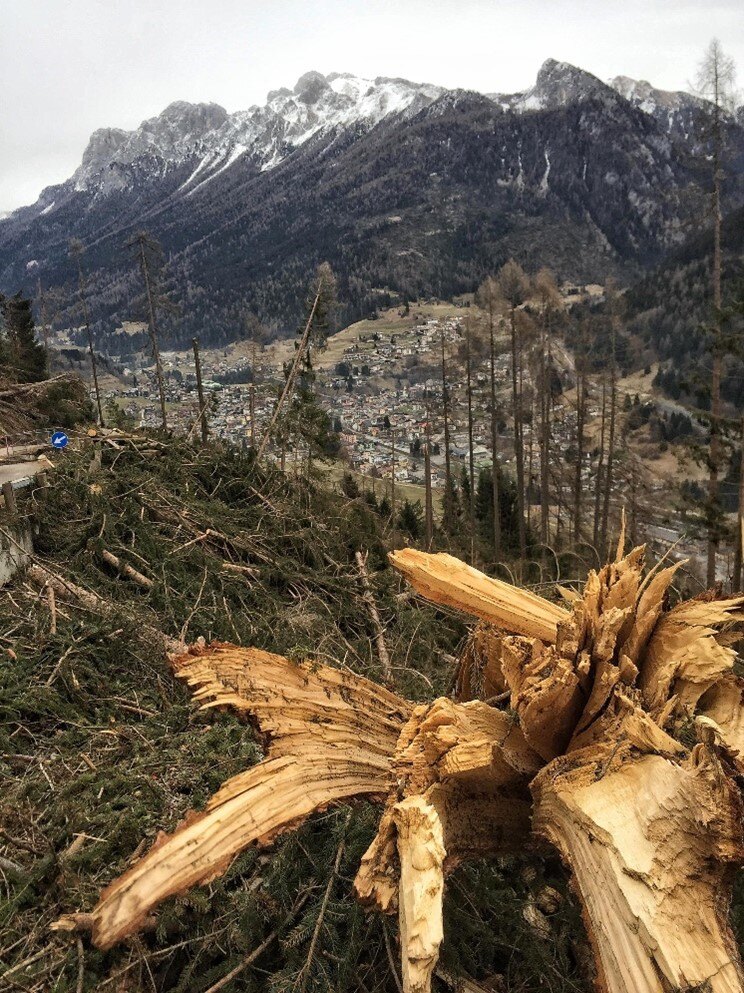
column 557, row 85
column 310, row 86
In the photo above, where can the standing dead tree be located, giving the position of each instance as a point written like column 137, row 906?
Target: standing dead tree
column 715, row 81
column 513, row 286
column 619, row 739
column 447, row 509
column 146, row 250
column 489, row 298
column 76, row 250
column 321, row 301
column 203, row 422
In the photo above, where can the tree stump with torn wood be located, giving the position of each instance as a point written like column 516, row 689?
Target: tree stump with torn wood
column 613, row 729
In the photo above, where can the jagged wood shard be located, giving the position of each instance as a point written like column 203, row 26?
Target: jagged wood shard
column 331, row 736
column 446, row 580
column 571, row 727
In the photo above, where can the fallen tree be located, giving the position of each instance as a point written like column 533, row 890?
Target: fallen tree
column 612, row 731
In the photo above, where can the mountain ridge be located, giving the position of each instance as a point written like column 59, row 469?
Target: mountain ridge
column 404, row 187
column 233, row 134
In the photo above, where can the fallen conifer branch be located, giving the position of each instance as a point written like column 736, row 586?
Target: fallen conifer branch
column 369, row 599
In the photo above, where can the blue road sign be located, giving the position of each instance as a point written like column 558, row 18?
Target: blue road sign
column 59, row 439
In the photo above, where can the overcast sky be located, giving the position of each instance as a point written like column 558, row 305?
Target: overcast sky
column 70, row 66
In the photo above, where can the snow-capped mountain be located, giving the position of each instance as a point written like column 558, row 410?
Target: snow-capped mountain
column 212, row 139
column 677, row 112
column 557, row 85
column 405, row 188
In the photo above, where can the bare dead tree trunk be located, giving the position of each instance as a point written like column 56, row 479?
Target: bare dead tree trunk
column 736, row 579
column 610, row 453
column 77, row 250
column 600, row 461
column 392, row 483
column 429, row 525
column 200, row 392
column 141, row 241
column 369, row 599
column 633, row 523
column 293, row 372
column 716, row 79
column 715, row 386
column 494, row 441
column 448, row 508
column 252, row 392
column 252, row 412
column 471, row 457
column 580, row 418
column 518, row 449
column 544, row 431
column 43, row 315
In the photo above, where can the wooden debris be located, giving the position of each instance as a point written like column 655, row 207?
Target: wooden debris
column 126, row 570
column 421, row 851
column 369, row 599
column 331, row 735
column 446, row 580
column 593, row 742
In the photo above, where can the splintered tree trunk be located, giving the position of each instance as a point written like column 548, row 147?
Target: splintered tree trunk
column 574, row 724
column 649, row 845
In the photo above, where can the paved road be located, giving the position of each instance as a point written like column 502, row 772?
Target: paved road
column 17, row 471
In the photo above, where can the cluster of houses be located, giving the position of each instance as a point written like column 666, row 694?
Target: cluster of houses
column 384, row 396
